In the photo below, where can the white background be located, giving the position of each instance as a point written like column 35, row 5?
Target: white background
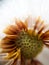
column 9, row 9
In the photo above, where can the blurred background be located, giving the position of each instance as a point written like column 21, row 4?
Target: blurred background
column 11, row 9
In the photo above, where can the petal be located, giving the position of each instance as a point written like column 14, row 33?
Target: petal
column 13, row 55
column 30, row 22
column 46, row 42
column 10, row 62
column 36, row 23
column 8, row 50
column 41, row 23
column 8, row 45
column 40, row 32
column 45, row 35
column 47, row 45
column 20, row 24
column 11, row 37
column 12, row 30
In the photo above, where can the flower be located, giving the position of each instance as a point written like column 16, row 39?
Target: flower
column 24, row 41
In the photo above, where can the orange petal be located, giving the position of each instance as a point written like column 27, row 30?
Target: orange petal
column 12, row 37
column 28, row 21
column 11, row 30
column 41, row 30
column 46, row 43
column 6, row 42
column 8, row 50
column 45, row 34
column 41, row 23
column 46, row 38
column 20, row 24
column 37, row 22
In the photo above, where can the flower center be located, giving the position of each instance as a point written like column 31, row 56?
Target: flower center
column 30, row 45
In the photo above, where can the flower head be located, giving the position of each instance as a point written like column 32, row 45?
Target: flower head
column 25, row 41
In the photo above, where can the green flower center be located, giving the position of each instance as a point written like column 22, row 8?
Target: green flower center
column 30, row 45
